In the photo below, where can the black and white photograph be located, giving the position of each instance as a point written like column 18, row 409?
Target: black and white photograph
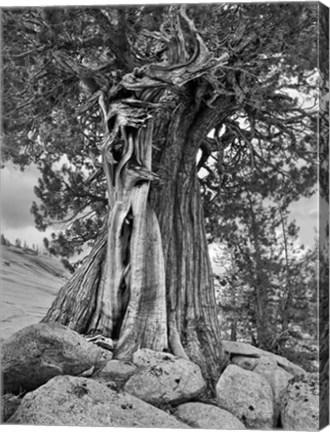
column 165, row 215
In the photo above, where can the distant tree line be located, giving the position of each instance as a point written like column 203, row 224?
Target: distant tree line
column 20, row 245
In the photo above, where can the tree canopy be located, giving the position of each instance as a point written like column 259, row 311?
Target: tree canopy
column 215, row 101
column 57, row 60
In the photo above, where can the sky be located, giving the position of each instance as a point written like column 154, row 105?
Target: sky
column 17, row 195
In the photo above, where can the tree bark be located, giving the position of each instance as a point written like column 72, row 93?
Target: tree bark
column 191, row 297
column 193, row 325
column 75, row 303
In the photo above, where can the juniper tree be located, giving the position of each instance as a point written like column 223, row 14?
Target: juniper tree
column 124, row 109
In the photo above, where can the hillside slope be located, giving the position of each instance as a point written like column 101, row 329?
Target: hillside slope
column 29, row 284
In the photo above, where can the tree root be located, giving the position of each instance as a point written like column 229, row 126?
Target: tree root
column 175, row 343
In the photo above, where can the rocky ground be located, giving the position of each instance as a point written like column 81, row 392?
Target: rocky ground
column 54, row 376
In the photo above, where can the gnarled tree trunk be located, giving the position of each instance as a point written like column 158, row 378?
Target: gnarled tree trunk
column 148, row 281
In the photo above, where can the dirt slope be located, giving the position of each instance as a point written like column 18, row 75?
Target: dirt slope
column 29, row 284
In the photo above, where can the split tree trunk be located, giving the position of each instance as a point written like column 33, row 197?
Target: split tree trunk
column 177, row 251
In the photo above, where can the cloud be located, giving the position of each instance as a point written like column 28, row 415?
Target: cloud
column 313, row 213
column 305, row 212
column 28, row 234
column 305, row 208
column 17, row 194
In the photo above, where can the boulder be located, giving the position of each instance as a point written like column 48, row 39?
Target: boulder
column 248, row 396
column 277, row 377
column 77, row 401
column 248, row 363
column 117, row 371
column 247, row 350
column 300, row 403
column 164, row 378
column 39, row 352
column 9, row 404
column 203, row 416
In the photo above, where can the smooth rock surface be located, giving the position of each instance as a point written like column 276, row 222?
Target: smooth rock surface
column 168, row 380
column 76, row 401
column 204, row 416
column 39, row 352
column 248, row 396
column 247, row 350
column 300, row 404
column 28, row 287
